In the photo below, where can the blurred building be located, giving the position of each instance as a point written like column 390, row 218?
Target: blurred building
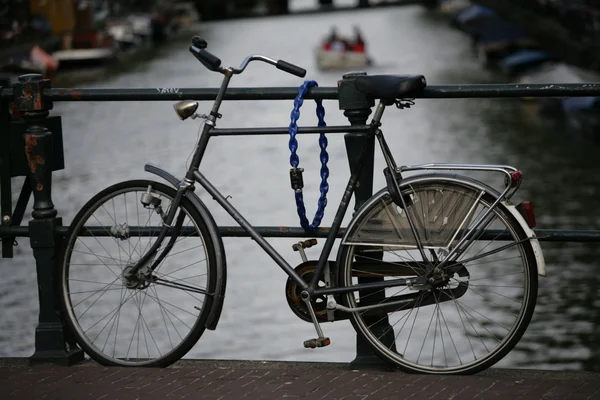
column 223, row 9
column 61, row 16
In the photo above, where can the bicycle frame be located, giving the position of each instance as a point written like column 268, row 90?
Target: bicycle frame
column 194, row 175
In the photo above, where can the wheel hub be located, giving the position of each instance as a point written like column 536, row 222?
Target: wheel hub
column 133, row 280
column 439, row 277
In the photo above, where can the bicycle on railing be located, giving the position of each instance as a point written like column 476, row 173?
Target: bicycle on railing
column 437, row 271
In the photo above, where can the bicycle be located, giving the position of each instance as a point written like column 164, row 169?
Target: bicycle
column 416, row 252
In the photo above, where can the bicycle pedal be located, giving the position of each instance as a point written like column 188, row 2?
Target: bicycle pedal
column 318, row 342
column 304, row 244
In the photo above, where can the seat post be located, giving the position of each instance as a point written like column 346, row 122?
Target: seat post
column 378, row 113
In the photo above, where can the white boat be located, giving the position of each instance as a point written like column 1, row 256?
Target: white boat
column 122, row 32
column 141, row 24
column 77, row 57
column 556, row 73
column 348, row 60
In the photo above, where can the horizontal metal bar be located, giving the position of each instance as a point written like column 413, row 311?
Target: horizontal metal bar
column 156, row 94
column 285, row 130
column 545, row 235
column 511, row 90
column 325, row 93
column 225, row 231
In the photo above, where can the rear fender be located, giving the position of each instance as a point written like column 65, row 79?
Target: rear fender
column 465, row 180
column 535, row 244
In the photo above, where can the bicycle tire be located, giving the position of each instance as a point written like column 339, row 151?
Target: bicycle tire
column 167, row 308
column 377, row 330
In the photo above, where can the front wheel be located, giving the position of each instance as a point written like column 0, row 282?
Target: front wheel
column 473, row 310
column 126, row 319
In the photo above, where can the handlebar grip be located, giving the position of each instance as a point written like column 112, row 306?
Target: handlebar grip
column 209, row 60
column 291, row 68
column 199, row 42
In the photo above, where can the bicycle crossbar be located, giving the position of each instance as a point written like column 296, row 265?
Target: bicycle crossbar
column 324, row 93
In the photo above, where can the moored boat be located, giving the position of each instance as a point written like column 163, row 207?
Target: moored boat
column 559, row 72
column 123, row 34
column 495, row 38
column 79, row 57
column 523, row 61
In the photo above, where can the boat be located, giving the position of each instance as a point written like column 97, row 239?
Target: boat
column 522, row 61
column 123, row 34
column 73, row 58
column 341, row 59
column 555, row 73
column 141, row 24
column 340, row 53
column 154, row 26
column 581, row 114
column 470, row 14
column 495, row 38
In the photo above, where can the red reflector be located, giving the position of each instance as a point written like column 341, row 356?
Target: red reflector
column 515, row 178
column 526, row 210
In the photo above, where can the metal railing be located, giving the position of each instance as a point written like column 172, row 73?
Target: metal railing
column 31, row 146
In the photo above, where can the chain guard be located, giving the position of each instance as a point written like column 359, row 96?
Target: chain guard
column 292, row 294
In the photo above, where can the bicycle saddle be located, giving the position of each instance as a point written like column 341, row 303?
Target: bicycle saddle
column 390, row 86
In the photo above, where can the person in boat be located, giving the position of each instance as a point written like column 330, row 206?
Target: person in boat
column 359, row 43
column 335, row 42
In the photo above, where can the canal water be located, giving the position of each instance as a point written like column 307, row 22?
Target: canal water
column 110, row 142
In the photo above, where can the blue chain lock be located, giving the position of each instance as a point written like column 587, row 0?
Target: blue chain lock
column 295, row 172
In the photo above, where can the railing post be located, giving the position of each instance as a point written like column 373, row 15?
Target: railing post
column 5, row 184
column 357, row 108
column 51, row 334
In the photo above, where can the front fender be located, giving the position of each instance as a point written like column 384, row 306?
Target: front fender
column 219, row 296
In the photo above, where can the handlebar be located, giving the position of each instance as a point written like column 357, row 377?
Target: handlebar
column 213, row 63
column 291, row 68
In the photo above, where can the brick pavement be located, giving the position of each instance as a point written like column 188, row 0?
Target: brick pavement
column 282, row 380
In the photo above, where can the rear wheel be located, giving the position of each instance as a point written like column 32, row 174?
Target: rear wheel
column 121, row 318
column 478, row 305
